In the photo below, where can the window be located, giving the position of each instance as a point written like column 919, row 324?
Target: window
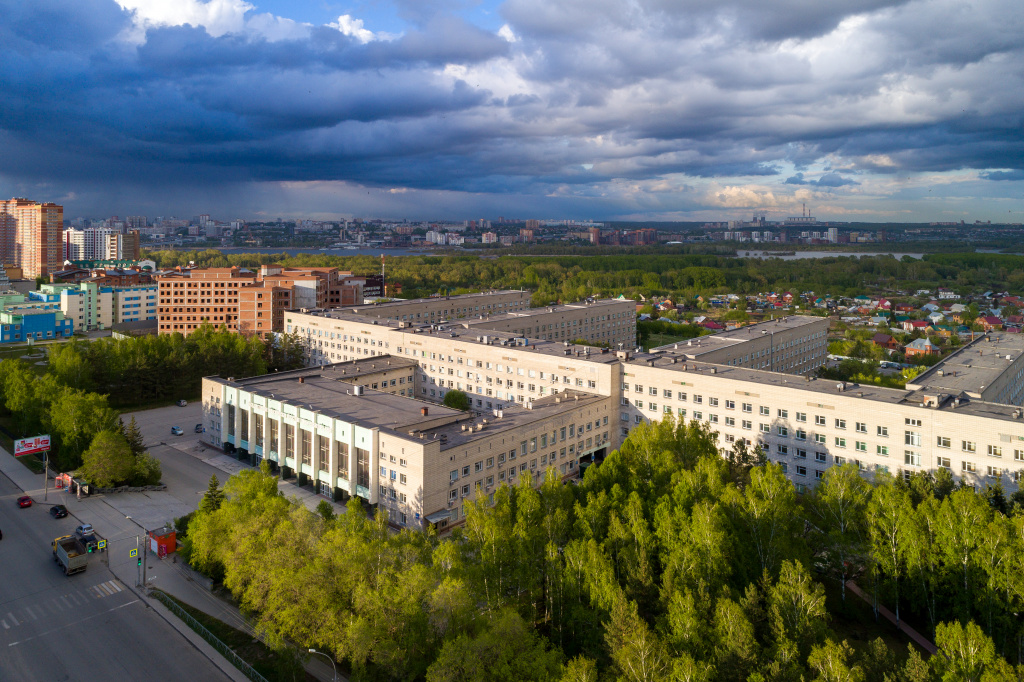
column 942, row 462
column 783, row 431
column 968, row 446
column 783, row 449
column 911, row 458
column 912, row 438
column 994, row 472
column 698, row 399
column 860, row 446
column 783, row 414
column 765, row 428
column 667, row 394
column 995, row 451
column 840, row 423
column 912, row 422
column 818, row 473
column 342, row 459
column 882, row 431
column 747, row 407
column 819, row 438
column 819, row 420
column 765, row 411
column 729, row 421
column 801, row 434
column 967, row 466
column 840, row 461
column 802, row 454
column 801, row 470
column 681, row 396
column 652, row 391
column 730, row 404
column 840, row 442
column 862, row 427
column 882, row 450
column 942, row 441
column 713, row 402
column 746, row 424
column 801, row 416
column 1018, row 455
column 820, row 457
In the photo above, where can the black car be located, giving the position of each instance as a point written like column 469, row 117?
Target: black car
column 58, row 511
column 199, row 428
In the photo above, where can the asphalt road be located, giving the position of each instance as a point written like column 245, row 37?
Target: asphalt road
column 90, row 626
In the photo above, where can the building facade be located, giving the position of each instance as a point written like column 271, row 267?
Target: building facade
column 30, row 236
column 445, row 308
column 418, row 461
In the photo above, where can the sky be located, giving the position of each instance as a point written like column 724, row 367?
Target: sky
column 864, row 110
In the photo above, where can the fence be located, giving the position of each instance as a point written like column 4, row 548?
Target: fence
column 220, row 646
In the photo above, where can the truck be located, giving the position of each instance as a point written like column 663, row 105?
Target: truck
column 70, row 553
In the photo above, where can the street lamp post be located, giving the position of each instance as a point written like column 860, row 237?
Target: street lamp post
column 320, row 653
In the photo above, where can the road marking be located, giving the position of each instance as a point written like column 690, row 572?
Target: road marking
column 75, row 599
column 66, row 602
column 67, row 625
column 13, row 619
column 29, row 612
column 6, row 626
column 113, row 585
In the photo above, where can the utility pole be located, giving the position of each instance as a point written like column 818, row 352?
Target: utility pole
column 46, row 473
column 144, row 556
column 137, row 552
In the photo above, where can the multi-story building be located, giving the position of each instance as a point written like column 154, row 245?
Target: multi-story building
column 610, row 323
column 92, row 304
column 122, row 246
column 794, row 344
column 964, row 414
column 30, row 236
column 37, row 324
column 91, row 243
column 417, row 460
column 245, row 301
column 445, row 308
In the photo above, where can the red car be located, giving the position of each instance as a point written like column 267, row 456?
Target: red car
column 24, row 501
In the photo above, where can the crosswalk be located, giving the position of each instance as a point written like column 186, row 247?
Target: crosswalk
column 67, row 600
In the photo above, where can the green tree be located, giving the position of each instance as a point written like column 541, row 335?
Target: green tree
column 325, row 510
column 966, row 653
column 887, row 513
column 133, row 434
column 832, row 662
column 839, row 506
column 108, row 462
column 796, row 607
column 766, row 511
column 74, row 418
column 457, row 400
column 212, row 498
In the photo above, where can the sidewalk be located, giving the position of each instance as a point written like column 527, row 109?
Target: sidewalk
column 174, row 577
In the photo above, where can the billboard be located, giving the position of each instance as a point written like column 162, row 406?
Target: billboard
column 31, row 446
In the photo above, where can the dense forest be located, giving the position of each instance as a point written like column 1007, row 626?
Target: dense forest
column 571, row 278
column 667, row 562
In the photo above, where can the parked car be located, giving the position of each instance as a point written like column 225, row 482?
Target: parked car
column 182, row 403
column 85, row 529
column 24, row 501
column 58, row 511
column 176, row 431
column 199, row 428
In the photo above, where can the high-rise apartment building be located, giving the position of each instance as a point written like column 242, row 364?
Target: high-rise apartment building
column 30, row 236
column 92, row 243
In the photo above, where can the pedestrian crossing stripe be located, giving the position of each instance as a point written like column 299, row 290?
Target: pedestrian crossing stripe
column 60, row 603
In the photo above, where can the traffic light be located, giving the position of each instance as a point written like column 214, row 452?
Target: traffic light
column 140, row 562
column 89, row 549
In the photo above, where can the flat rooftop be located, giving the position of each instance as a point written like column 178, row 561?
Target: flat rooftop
column 528, row 313
column 701, row 345
column 326, row 391
column 455, row 330
column 413, row 301
column 974, row 367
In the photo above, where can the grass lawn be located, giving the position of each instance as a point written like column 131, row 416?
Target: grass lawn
column 271, row 664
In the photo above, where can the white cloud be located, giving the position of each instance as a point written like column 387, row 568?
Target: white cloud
column 353, row 28
column 216, row 16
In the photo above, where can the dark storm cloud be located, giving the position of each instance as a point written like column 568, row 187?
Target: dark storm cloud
column 583, row 95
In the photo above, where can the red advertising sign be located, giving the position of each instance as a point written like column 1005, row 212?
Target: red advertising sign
column 30, row 446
